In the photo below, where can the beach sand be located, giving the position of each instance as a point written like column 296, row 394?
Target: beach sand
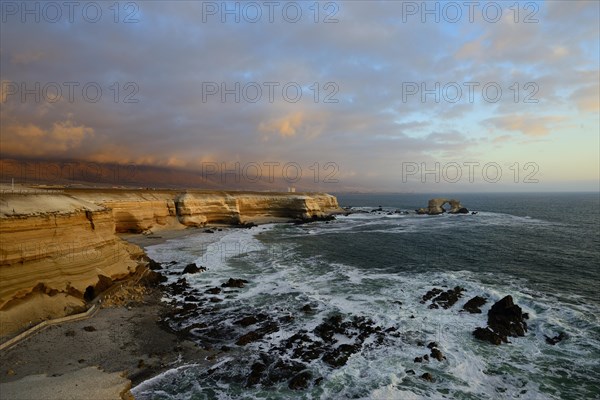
column 104, row 355
column 125, row 339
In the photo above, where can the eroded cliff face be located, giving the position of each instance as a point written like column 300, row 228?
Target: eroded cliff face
column 48, row 258
column 135, row 211
column 240, row 208
column 55, row 247
column 141, row 211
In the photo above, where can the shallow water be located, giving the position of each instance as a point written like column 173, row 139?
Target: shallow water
column 541, row 249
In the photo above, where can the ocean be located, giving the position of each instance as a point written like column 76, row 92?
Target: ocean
column 367, row 272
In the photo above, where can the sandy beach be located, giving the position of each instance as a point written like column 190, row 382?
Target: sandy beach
column 127, row 340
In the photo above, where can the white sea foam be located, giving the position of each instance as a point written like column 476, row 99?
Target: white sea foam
column 282, row 279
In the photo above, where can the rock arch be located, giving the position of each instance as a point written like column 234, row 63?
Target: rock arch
column 436, row 206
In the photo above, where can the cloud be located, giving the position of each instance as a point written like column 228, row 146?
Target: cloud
column 297, row 123
column 32, row 140
column 587, row 98
column 27, row 57
column 171, row 52
column 530, row 125
column 501, row 139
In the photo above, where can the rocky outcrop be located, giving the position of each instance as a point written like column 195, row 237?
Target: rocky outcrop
column 556, row 339
column 473, row 305
column 440, row 298
column 436, row 206
column 504, row 319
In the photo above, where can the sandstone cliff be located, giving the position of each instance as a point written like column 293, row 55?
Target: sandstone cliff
column 57, row 248
column 139, row 211
column 53, row 248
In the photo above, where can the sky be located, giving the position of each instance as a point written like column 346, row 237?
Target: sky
column 337, row 96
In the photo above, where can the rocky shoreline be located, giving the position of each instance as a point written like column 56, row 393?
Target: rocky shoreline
column 196, row 316
column 61, row 255
column 136, row 332
column 125, row 336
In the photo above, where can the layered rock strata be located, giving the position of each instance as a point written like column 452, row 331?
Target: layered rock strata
column 58, row 250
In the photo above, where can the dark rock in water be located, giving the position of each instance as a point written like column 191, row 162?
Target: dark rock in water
column 209, row 231
column 506, row 319
column 234, row 283
column 410, row 372
column 307, row 308
column 257, row 334
column 257, row 370
column 427, row 376
column 338, row 357
column 473, row 212
column 281, row 371
column 250, row 320
column 153, row 265
column 473, row 305
column 314, row 218
column 153, row 278
column 215, row 300
column 300, row 381
column 418, row 359
column 214, row 290
column 299, row 339
column 89, row 328
column 462, row 210
column 437, row 354
column 444, row 299
column 487, row 335
column 431, row 345
column 286, row 319
column 426, row 357
column 558, row 338
column 193, row 269
column 329, row 328
column 431, row 294
column 246, row 321
column 190, row 299
column 303, row 347
column 178, row 287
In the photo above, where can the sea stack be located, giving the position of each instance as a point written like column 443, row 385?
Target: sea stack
column 436, row 206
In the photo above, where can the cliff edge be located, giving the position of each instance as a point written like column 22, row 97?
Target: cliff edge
column 58, row 250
